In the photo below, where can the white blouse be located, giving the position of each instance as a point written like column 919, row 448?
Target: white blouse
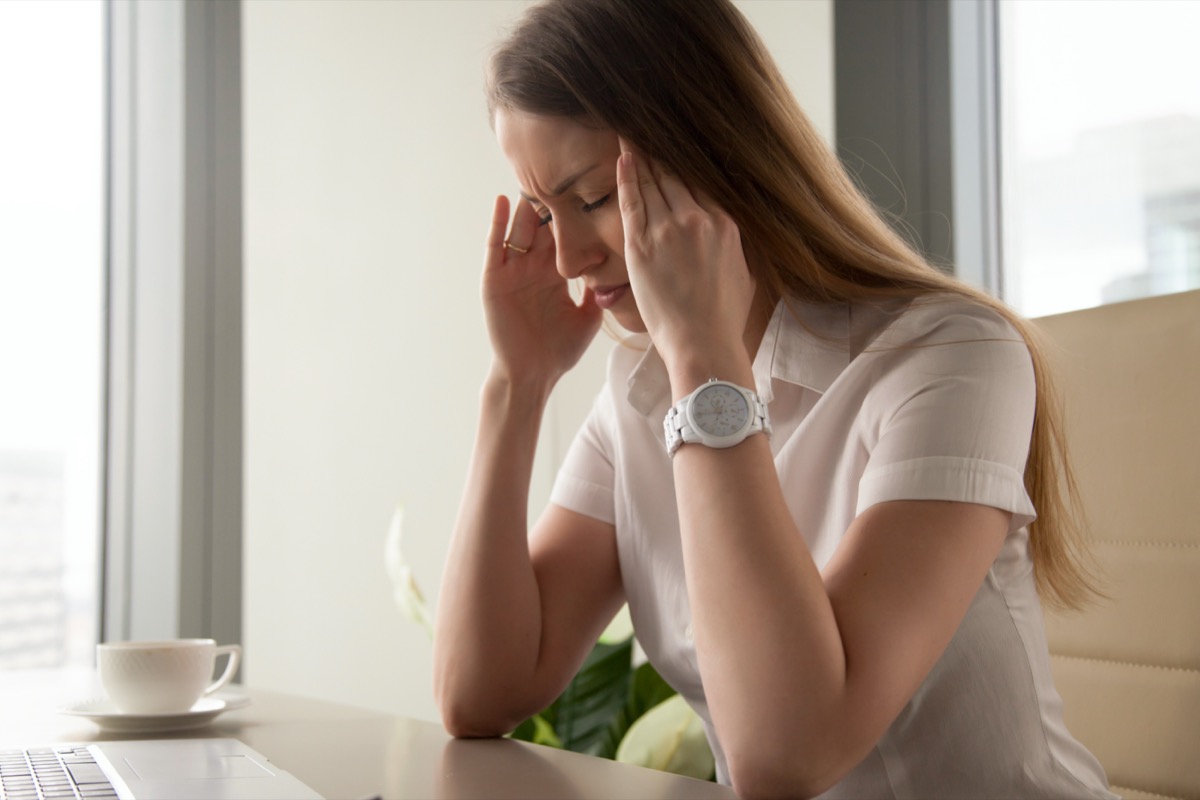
column 931, row 400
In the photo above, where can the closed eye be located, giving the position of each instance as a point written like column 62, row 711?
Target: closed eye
column 590, row 207
column 587, row 209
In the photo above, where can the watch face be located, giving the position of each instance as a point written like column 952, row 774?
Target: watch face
column 720, row 410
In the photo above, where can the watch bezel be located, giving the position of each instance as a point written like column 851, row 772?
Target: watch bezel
column 716, row 440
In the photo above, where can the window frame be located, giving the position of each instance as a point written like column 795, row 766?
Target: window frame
column 918, row 124
column 171, row 561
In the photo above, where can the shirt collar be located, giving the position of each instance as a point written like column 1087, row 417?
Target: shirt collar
column 806, row 344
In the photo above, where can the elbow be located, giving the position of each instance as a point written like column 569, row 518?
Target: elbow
column 465, row 728
column 472, row 707
column 462, row 722
column 767, row 786
column 768, row 774
column 468, row 716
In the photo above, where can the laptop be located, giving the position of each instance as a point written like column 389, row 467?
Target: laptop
column 159, row 769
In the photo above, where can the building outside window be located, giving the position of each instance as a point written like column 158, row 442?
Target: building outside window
column 1099, row 151
column 51, row 329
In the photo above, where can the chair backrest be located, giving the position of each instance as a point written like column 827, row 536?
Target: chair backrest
column 1128, row 669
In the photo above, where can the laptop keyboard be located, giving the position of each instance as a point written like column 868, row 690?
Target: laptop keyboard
column 52, row 773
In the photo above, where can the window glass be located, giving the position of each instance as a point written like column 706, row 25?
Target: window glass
column 51, row 323
column 1100, row 151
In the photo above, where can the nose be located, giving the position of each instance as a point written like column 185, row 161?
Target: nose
column 577, row 248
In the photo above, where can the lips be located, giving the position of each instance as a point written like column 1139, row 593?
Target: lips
column 609, row 296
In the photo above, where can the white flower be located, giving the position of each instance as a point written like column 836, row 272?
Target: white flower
column 669, row 737
column 404, row 587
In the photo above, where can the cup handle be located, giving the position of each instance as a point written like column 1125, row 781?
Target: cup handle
column 234, row 651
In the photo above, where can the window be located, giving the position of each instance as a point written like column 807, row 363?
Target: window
column 51, row 329
column 1100, row 151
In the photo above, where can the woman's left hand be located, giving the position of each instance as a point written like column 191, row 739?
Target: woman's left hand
column 687, row 271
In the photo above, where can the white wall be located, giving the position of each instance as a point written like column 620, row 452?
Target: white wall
column 370, row 171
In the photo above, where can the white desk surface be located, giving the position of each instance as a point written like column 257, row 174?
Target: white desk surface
column 348, row 753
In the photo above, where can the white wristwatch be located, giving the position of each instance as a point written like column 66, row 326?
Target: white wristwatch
column 717, row 414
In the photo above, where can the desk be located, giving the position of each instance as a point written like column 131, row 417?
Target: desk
column 347, row 753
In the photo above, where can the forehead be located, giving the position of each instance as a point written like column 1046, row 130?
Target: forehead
column 545, row 150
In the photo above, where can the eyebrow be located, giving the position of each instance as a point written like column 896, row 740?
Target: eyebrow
column 566, row 184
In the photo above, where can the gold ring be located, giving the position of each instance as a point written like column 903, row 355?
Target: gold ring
column 514, row 248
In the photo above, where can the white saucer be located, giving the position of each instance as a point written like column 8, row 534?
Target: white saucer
column 104, row 713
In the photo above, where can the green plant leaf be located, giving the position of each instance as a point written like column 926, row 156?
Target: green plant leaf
column 581, row 716
column 647, row 690
column 584, row 712
column 538, row 731
column 544, row 733
column 526, row 730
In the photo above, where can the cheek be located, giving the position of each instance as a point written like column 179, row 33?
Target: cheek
column 613, row 232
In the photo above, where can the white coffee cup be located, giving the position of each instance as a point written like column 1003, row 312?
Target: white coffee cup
column 164, row 677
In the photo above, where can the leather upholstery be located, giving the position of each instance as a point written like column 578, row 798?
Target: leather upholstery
column 1128, row 668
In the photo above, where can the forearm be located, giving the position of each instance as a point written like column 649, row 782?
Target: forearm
column 819, row 664
column 767, row 640
column 488, row 625
column 770, row 650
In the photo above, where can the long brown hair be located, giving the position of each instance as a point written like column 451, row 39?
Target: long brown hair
column 690, row 83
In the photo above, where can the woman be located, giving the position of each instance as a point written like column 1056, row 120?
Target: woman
column 833, row 552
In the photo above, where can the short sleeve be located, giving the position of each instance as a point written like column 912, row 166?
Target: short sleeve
column 585, row 480
column 954, row 412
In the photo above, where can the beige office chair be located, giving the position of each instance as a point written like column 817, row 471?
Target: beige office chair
column 1129, row 669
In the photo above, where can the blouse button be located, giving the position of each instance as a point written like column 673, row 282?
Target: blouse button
column 689, row 634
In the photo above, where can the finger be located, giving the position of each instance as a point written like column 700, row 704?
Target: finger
column 647, row 182
column 543, row 239
column 494, row 250
column 639, row 200
column 706, row 202
column 525, row 223
column 629, row 198
column 676, row 193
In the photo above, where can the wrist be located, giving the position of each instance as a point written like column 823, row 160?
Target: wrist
column 687, row 374
column 519, row 391
column 718, row 414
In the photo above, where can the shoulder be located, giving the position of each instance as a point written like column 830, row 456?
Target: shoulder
column 948, row 346
column 944, row 334
column 946, row 319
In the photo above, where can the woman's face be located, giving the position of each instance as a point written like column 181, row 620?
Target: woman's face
column 568, row 172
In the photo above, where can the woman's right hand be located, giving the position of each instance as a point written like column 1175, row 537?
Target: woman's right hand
column 537, row 330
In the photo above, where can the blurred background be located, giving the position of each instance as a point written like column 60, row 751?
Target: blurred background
column 239, row 254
